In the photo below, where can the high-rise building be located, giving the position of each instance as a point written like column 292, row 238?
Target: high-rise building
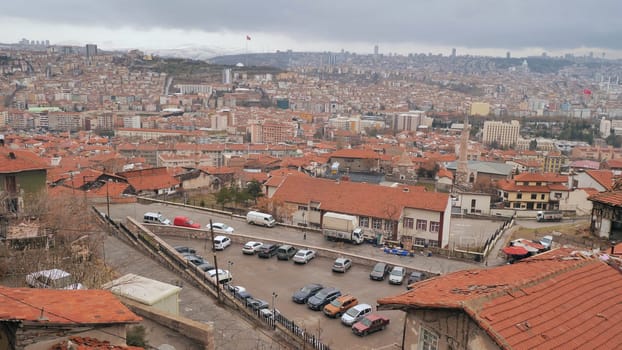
column 605, row 127
column 376, row 50
column 408, row 121
column 226, row 76
column 503, row 134
column 453, row 52
column 91, row 50
column 507, row 55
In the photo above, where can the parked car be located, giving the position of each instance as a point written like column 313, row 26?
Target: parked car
column 342, row 265
column 257, row 304
column 224, row 276
column 268, row 250
column 303, row 256
column 369, row 324
column 285, row 252
column 155, row 218
column 221, row 242
column 53, row 278
column 269, row 313
column 355, row 313
column 184, row 249
column 251, row 247
column 337, row 307
column 234, row 289
column 258, row 218
column 323, row 297
column 414, row 277
column 547, row 242
column 205, row 266
column 397, row 275
column 219, row 227
column 195, row 260
column 184, row 221
column 306, row 292
column 379, row 271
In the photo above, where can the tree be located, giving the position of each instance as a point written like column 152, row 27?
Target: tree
column 224, row 196
column 533, row 145
column 254, row 190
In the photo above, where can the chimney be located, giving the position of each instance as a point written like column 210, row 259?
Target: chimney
column 12, row 155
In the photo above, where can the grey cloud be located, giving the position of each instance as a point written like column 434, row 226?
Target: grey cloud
column 552, row 24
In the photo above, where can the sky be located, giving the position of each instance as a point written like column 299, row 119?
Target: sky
column 477, row 27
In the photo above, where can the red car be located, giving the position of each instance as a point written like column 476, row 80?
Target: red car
column 369, row 324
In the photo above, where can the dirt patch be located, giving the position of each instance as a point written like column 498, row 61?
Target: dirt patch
column 575, row 235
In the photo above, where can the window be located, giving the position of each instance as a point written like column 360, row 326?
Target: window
column 422, row 225
column 519, row 195
column 516, row 205
column 428, row 340
column 419, row 241
column 376, row 224
column 302, row 207
column 315, row 209
column 388, row 226
column 435, row 226
column 409, row 222
column 364, row 221
column 542, row 196
column 473, row 202
column 534, row 196
column 433, row 243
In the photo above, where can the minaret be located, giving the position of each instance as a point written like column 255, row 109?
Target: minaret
column 462, row 169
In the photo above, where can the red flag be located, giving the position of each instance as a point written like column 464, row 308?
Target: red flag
column 248, row 37
column 587, row 91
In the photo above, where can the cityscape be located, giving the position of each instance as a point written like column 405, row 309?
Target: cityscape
column 251, row 190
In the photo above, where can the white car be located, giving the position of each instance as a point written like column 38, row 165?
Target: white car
column 251, row 247
column 219, row 227
column 54, row 278
column 397, row 275
column 224, row 276
column 304, row 256
column 221, row 242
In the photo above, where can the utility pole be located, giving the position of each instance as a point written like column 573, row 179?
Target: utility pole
column 211, row 229
column 217, row 279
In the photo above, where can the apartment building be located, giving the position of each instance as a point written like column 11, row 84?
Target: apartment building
column 503, row 134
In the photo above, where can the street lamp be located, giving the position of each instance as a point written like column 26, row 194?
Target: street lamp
column 274, row 296
column 229, row 264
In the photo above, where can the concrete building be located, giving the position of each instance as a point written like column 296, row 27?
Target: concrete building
column 408, row 121
column 91, row 50
column 503, row 134
column 605, row 128
column 132, row 122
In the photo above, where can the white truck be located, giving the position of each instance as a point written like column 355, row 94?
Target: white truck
column 549, row 216
column 342, row 227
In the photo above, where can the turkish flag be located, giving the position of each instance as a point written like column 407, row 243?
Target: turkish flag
column 248, row 37
column 587, row 91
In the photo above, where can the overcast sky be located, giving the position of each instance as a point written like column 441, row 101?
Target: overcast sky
column 403, row 26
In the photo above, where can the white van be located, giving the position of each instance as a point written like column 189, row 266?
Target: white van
column 258, row 218
column 155, row 218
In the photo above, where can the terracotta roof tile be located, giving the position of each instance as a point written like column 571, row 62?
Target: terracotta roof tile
column 603, row 177
column 14, row 161
column 63, row 306
column 609, row 198
column 356, row 198
column 541, row 177
column 355, row 153
column 554, row 300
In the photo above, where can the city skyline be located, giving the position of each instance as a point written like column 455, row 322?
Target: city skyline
column 478, row 28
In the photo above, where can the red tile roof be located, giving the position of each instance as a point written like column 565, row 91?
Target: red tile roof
column 355, row 153
column 356, row 198
column 63, row 306
column 541, row 177
column 609, row 198
column 603, row 177
column 15, row 161
column 555, row 300
column 88, row 343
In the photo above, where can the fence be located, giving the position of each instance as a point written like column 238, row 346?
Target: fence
column 167, row 255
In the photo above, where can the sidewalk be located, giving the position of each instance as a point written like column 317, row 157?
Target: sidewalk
column 496, row 257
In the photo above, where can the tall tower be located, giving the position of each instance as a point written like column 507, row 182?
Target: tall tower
column 462, row 168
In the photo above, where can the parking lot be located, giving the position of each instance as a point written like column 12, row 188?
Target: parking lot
column 263, row 277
